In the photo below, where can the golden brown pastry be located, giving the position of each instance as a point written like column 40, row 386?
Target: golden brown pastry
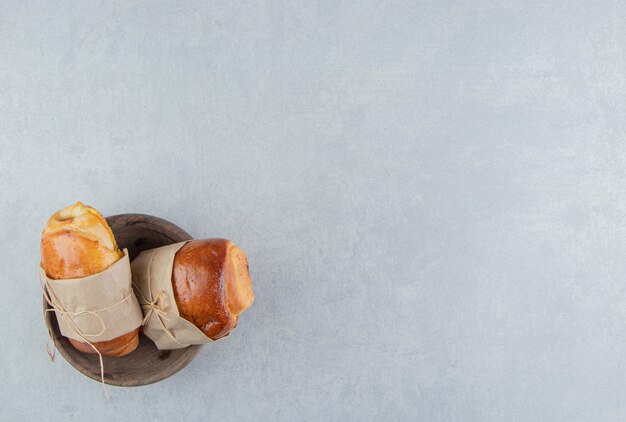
column 78, row 242
column 211, row 285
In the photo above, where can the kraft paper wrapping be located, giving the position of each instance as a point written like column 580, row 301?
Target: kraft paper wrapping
column 152, row 277
column 100, row 306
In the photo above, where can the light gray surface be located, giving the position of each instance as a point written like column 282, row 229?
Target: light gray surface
column 432, row 197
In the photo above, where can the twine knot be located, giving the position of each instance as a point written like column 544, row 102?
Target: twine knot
column 157, row 306
column 57, row 307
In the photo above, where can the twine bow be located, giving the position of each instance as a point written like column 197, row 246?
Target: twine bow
column 56, row 306
column 156, row 306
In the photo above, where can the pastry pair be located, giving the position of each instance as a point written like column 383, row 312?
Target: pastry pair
column 210, row 278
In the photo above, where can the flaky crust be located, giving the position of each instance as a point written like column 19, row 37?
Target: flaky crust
column 78, row 242
column 212, row 285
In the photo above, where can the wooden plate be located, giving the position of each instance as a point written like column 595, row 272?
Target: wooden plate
column 147, row 364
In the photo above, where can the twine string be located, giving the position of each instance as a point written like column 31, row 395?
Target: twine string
column 56, row 306
column 51, row 353
column 156, row 306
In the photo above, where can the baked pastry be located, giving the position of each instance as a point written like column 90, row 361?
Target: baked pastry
column 77, row 242
column 211, row 284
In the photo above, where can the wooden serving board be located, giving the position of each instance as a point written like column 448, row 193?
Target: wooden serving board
column 147, row 364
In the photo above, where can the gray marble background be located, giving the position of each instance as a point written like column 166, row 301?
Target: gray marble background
column 432, row 196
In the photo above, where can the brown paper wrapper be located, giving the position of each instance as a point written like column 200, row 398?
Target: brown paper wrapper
column 101, row 306
column 152, row 276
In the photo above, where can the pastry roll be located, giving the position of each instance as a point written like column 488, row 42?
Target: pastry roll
column 191, row 292
column 77, row 242
column 211, row 284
